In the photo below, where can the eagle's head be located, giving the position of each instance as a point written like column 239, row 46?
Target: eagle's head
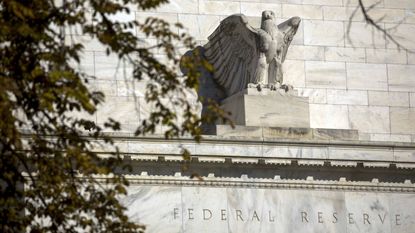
column 268, row 21
column 266, row 15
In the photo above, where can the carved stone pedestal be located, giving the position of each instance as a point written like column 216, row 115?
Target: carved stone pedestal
column 269, row 108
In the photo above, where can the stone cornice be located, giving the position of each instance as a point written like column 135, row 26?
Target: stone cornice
column 276, row 183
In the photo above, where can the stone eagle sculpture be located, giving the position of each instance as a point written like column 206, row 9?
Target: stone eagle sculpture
column 243, row 56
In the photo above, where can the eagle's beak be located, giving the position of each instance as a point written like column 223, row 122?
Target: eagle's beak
column 266, row 15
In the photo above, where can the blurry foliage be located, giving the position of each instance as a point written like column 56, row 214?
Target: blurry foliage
column 47, row 150
column 365, row 10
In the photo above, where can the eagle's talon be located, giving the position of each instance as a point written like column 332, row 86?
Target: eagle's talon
column 258, row 87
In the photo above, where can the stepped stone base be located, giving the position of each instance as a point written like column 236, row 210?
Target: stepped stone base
column 268, row 108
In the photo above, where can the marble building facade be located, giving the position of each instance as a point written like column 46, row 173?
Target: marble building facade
column 351, row 171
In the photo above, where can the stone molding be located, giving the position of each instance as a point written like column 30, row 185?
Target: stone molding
column 276, row 183
column 252, row 150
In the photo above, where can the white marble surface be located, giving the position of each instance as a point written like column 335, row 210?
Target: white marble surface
column 276, row 109
column 208, row 209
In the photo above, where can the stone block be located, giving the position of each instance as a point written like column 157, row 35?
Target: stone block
column 341, row 13
column 86, row 64
column 142, row 201
column 131, row 88
column 108, row 87
column 369, row 119
column 374, row 204
column 362, row 35
column 347, row 97
column 224, row 149
column 325, row 33
column 206, row 205
column 402, row 120
column 411, row 58
column 404, row 205
column 106, row 67
column 309, row 53
column 219, row 7
column 390, row 137
column 367, row 76
column 403, row 34
column 403, row 155
column 282, row 151
column 402, row 4
column 364, row 136
column 170, row 18
column 157, row 147
column 293, row 71
column 90, row 44
column 323, row 2
column 272, row 133
column 387, row 15
column 303, row 11
column 277, row 109
column 386, row 56
column 384, row 98
column 254, row 21
column 315, row 96
column 335, row 134
column 401, row 77
column 367, row 3
column 238, row 131
column 75, row 114
column 412, row 99
column 249, row 209
column 122, row 109
column 254, row 200
column 368, row 154
column 345, row 54
column 199, row 26
column 124, row 17
column 325, row 74
column 410, row 16
column 256, row 8
column 329, row 116
column 281, row 132
column 179, row 6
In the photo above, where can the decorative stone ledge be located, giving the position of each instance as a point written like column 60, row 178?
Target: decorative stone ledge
column 245, row 182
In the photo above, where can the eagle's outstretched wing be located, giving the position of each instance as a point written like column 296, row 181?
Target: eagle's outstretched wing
column 233, row 51
column 288, row 28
